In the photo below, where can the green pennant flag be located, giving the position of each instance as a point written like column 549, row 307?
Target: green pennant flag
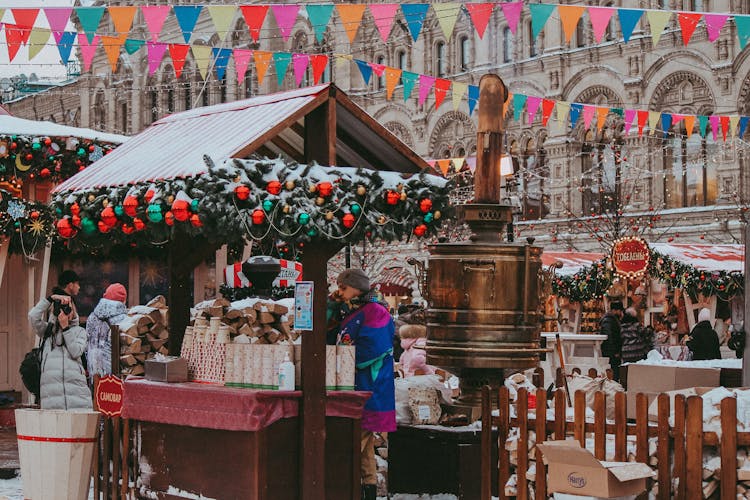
column 409, row 79
column 702, row 125
column 743, row 29
column 519, row 100
column 281, row 61
column 132, row 45
column 89, row 18
column 540, row 13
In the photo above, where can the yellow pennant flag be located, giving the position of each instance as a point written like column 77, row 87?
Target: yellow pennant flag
column 112, row 45
column 222, row 17
column 657, row 20
column 733, row 121
column 447, row 15
column 569, row 16
column 601, row 117
column 457, row 93
column 351, row 18
column 392, row 76
column 689, row 124
column 262, row 61
column 37, row 40
column 563, row 108
column 122, row 18
column 202, row 56
column 653, row 121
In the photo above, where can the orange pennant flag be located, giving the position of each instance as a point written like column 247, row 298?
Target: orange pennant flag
column 122, row 18
column 112, row 46
column 392, row 75
column 444, row 164
column 262, row 60
column 351, row 18
column 601, row 116
column 507, row 102
column 689, row 124
column 569, row 16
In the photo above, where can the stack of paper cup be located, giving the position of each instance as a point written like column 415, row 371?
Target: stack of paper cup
column 330, row 367
column 345, row 361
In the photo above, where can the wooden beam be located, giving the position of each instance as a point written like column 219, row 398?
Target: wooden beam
column 320, row 134
column 288, row 149
column 4, row 244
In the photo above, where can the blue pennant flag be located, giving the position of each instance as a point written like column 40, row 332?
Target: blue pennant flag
column 221, row 59
column 414, row 13
column 67, row 39
column 743, row 124
column 187, row 16
column 666, row 123
column 628, row 19
column 365, row 69
column 473, row 97
column 575, row 112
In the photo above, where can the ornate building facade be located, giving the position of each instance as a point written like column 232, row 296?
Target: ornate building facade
column 668, row 187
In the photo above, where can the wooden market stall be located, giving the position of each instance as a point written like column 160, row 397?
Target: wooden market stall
column 317, row 124
column 34, row 156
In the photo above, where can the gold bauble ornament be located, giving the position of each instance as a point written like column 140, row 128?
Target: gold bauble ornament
column 105, row 203
column 381, row 220
column 289, row 185
column 91, row 198
column 403, row 196
column 170, row 199
column 329, row 215
column 399, row 188
column 436, row 215
column 361, row 190
column 320, row 200
column 287, row 209
column 313, row 188
column 237, row 179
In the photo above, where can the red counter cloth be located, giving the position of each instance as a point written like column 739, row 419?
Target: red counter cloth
column 226, row 408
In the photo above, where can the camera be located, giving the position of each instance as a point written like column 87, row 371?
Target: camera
column 58, row 306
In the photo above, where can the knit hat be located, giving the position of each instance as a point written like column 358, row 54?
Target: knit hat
column 355, row 278
column 704, row 315
column 66, row 277
column 116, row 292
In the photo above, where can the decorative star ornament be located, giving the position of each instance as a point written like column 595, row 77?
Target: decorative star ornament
column 16, row 209
column 36, row 227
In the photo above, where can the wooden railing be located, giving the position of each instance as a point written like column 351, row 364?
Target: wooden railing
column 679, row 451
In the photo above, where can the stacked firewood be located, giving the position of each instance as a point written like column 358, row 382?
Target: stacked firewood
column 143, row 333
column 250, row 320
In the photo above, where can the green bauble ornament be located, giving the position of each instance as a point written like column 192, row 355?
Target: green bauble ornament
column 428, row 217
column 355, row 208
column 119, row 211
column 194, row 205
column 58, row 212
column 154, row 213
column 88, row 226
column 312, row 232
column 267, row 205
column 2, row 169
column 303, row 218
column 17, row 224
column 81, row 152
column 36, row 146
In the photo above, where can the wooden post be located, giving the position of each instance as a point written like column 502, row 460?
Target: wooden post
column 694, row 448
column 540, row 490
column 728, row 448
column 746, row 356
column 4, row 244
column 486, row 448
column 503, row 429
column 662, row 449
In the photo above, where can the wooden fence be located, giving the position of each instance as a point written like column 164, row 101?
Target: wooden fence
column 679, row 450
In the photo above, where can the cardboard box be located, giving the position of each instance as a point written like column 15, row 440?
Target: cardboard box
column 574, row 470
column 655, row 379
column 167, row 369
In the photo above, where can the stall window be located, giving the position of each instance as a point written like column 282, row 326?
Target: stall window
column 690, row 170
column 95, row 277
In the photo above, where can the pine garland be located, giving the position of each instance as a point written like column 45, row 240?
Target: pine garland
column 27, row 225
column 257, row 199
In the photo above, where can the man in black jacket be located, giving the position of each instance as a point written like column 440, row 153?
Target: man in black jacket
column 703, row 341
column 612, row 346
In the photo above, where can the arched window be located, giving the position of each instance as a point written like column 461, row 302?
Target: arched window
column 611, row 33
column 465, row 48
column 248, row 82
column 533, row 176
column 532, row 40
column 380, row 80
column 100, row 111
column 507, row 45
column 690, row 170
column 600, row 173
column 580, row 40
column 401, row 59
column 441, row 63
column 153, row 96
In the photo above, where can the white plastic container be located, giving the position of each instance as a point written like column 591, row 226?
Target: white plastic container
column 286, row 374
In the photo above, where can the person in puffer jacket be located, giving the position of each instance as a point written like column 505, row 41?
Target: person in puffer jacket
column 413, row 360
column 109, row 311
column 635, row 341
column 63, row 382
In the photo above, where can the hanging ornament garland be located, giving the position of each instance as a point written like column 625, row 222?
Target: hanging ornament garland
column 253, row 200
column 27, row 225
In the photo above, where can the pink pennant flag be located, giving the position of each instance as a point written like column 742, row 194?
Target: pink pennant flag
column 714, row 23
column 155, row 55
column 676, row 118
column 241, row 61
column 58, row 19
column 88, row 50
column 286, row 16
column 378, row 69
column 714, row 121
column 629, row 117
column 154, row 16
column 532, row 105
column 588, row 115
column 600, row 17
column 512, row 12
column 425, row 85
column 299, row 64
column 383, row 15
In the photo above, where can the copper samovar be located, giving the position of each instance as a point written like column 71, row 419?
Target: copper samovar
column 483, row 316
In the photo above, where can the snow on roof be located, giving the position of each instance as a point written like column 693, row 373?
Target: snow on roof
column 706, row 257
column 572, row 261
column 11, row 125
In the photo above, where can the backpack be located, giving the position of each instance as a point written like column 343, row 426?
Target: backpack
column 31, row 366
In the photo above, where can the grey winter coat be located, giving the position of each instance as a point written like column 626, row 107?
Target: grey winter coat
column 63, row 382
column 106, row 313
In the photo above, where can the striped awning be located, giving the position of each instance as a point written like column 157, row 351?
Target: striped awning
column 398, row 276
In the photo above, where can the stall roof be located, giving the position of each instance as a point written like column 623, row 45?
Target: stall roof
column 706, row 257
column 572, row 261
column 11, row 125
column 270, row 125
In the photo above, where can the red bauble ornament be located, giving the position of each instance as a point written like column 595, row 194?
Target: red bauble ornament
column 181, row 210
column 258, row 216
column 91, row 148
column 65, row 228
column 242, row 192
column 130, row 205
column 348, row 221
column 420, row 230
column 76, row 220
column 195, row 220
column 109, row 217
column 149, row 194
column 325, row 189
column 127, row 228
column 29, row 157
column 103, row 228
column 45, row 172
column 47, row 141
column 138, row 224
column 75, row 209
column 274, row 187
column 34, row 215
column 169, row 218
column 425, row 205
column 392, row 197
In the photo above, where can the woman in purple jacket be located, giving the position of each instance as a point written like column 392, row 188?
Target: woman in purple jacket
column 371, row 329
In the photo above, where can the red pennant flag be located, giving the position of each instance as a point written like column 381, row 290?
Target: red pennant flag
column 25, row 19
column 254, row 16
column 14, row 37
column 319, row 62
column 480, row 15
column 642, row 119
column 724, row 126
column 178, row 52
column 442, row 87
column 547, row 106
column 688, row 22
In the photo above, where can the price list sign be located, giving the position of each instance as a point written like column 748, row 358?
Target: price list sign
column 303, row 305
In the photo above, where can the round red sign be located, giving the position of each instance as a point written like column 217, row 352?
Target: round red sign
column 109, row 394
column 630, row 257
